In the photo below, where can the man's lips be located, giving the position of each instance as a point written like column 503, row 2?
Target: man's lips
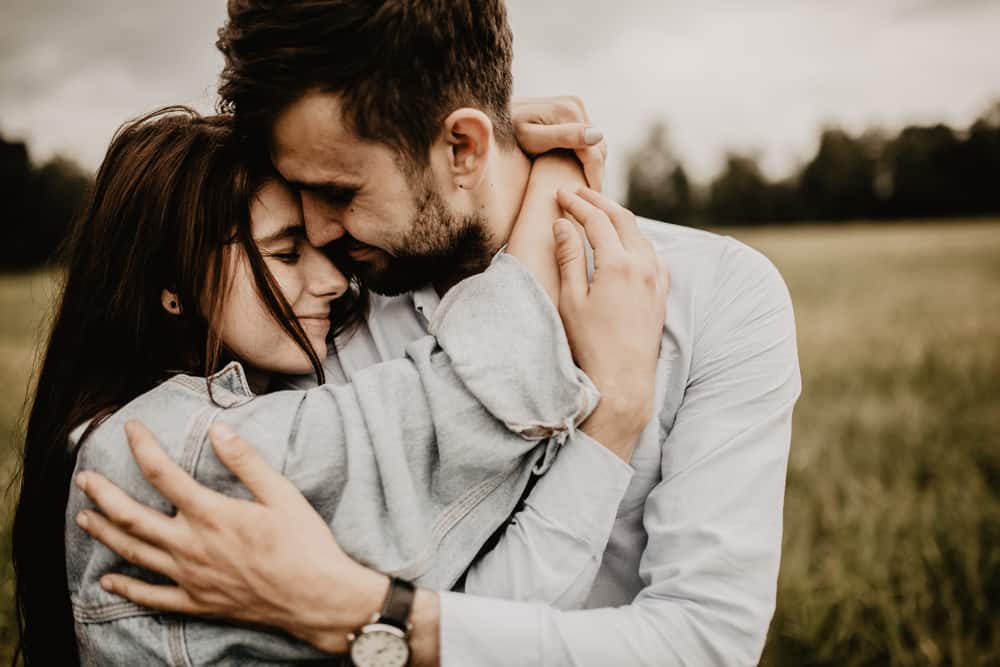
column 360, row 251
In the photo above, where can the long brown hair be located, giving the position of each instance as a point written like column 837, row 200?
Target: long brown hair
column 170, row 203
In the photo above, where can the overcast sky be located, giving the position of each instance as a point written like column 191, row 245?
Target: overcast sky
column 759, row 76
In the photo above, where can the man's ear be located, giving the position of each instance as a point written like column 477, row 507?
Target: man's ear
column 469, row 134
column 170, row 302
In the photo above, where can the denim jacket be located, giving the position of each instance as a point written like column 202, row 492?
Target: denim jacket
column 413, row 465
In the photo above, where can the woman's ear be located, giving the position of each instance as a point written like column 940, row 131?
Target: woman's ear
column 170, row 302
column 469, row 133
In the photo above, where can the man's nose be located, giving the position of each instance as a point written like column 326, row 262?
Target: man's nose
column 321, row 226
column 323, row 232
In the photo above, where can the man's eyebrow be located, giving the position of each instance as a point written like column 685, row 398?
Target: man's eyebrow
column 324, row 186
column 291, row 230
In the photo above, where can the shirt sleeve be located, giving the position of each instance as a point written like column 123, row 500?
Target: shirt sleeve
column 551, row 550
column 714, row 521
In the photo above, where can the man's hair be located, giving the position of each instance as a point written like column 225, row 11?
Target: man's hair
column 400, row 66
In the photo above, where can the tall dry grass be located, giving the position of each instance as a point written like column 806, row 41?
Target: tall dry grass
column 892, row 520
column 25, row 301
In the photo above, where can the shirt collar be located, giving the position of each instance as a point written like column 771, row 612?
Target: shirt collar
column 426, row 301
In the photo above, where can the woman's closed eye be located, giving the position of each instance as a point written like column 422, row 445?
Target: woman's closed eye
column 290, row 256
column 285, row 245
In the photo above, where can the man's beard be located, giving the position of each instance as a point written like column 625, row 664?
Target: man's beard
column 440, row 249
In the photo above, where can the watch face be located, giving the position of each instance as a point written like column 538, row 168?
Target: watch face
column 380, row 646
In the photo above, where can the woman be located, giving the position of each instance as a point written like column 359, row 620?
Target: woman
column 197, row 258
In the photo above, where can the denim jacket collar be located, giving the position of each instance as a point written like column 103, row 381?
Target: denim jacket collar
column 229, row 386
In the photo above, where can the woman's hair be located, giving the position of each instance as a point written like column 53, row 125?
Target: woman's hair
column 169, row 207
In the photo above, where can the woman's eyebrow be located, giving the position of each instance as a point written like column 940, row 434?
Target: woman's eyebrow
column 292, row 230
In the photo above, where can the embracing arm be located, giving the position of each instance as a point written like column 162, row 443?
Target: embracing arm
column 217, row 546
column 713, row 523
column 552, row 548
column 412, row 465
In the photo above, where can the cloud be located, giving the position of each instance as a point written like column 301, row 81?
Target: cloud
column 761, row 76
column 71, row 72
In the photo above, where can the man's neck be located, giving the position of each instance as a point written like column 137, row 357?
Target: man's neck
column 498, row 204
column 504, row 193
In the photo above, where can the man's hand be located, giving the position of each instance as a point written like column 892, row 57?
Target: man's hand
column 544, row 124
column 270, row 562
column 615, row 323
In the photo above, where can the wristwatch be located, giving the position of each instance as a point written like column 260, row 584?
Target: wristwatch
column 383, row 642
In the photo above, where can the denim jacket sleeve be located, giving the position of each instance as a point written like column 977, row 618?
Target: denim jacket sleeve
column 414, row 464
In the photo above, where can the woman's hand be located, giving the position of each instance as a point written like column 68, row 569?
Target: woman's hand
column 544, row 124
column 615, row 323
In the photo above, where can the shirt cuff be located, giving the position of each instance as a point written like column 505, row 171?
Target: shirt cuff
column 486, row 632
column 582, row 490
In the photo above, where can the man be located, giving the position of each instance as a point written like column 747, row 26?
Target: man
column 392, row 120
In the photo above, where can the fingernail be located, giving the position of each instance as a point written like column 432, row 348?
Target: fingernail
column 561, row 229
column 592, row 136
column 222, row 431
column 81, row 520
column 81, row 481
column 563, row 192
column 107, row 584
column 130, row 428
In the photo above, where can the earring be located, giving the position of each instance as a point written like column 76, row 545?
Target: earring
column 173, row 304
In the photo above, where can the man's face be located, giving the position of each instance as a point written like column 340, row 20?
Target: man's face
column 394, row 225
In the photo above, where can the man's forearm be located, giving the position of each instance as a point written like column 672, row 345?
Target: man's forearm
column 326, row 625
column 425, row 637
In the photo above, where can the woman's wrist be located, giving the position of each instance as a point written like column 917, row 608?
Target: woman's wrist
column 531, row 239
column 617, row 424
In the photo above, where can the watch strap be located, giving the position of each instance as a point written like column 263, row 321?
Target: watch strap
column 398, row 603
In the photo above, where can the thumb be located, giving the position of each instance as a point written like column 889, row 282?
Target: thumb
column 572, row 260
column 264, row 482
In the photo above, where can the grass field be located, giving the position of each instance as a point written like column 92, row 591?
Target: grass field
column 892, row 519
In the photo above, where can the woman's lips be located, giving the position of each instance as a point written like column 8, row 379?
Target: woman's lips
column 315, row 323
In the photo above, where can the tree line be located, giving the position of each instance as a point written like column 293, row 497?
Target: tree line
column 923, row 171
column 40, row 202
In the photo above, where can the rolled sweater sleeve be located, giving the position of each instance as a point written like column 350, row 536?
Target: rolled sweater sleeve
column 413, row 447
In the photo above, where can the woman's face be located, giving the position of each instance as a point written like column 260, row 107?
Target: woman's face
column 305, row 276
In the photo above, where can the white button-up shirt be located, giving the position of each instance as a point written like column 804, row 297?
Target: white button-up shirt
column 672, row 560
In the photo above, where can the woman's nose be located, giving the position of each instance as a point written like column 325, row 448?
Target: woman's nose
column 325, row 279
